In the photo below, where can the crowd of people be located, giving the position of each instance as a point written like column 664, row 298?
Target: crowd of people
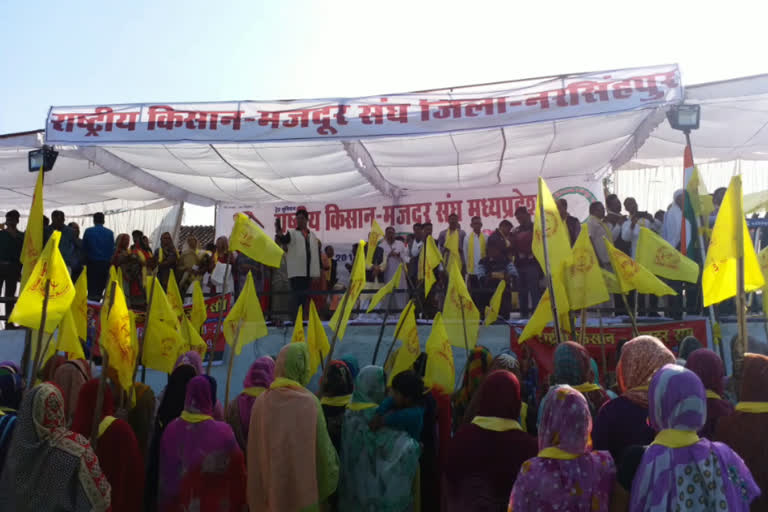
column 673, row 434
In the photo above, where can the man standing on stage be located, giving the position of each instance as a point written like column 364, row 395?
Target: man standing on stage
column 11, row 244
column 395, row 253
column 571, row 222
column 453, row 227
column 597, row 231
column 529, row 272
column 615, row 220
column 474, row 250
column 302, row 256
column 414, row 250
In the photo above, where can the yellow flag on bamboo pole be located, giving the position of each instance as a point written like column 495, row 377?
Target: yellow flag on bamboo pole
column 198, row 314
column 49, row 266
column 611, row 283
column 33, row 236
column 542, row 315
column 719, row 278
column 161, row 311
column 163, row 339
column 408, row 333
column 248, row 309
column 658, row 256
column 762, row 258
column 426, row 271
column 374, row 236
column 192, row 338
column 117, row 340
column 440, row 373
column 67, row 337
column 174, row 295
column 583, row 277
column 457, row 299
column 452, row 247
column 340, row 318
column 298, row 327
column 492, row 310
column 317, row 339
column 386, row 289
column 633, row 276
column 80, row 305
column 701, row 201
column 558, row 240
column 248, row 238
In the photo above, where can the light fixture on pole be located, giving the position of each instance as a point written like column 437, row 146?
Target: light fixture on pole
column 685, row 118
column 45, row 157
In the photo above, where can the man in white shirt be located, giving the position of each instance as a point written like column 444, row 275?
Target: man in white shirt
column 453, row 226
column 474, row 251
column 671, row 232
column 630, row 230
column 414, row 250
column 598, row 230
column 395, row 253
column 302, row 256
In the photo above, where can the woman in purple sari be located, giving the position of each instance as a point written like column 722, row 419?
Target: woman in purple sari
column 680, row 471
column 201, row 464
column 566, row 474
column 709, row 367
column 260, row 375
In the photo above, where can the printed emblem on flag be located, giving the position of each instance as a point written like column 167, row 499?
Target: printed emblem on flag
column 583, row 260
column 667, row 258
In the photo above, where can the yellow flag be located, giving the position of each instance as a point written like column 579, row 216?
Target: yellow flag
column 386, row 289
column 375, row 235
column 192, row 338
column 543, row 313
column 68, row 340
column 174, row 295
column 317, row 339
column 409, row 335
column 558, row 240
column 80, row 305
column 433, row 258
column 338, row 323
column 298, row 327
column 658, row 256
column 452, row 246
column 440, row 374
column 162, row 344
column 457, row 323
column 762, row 258
column 583, row 278
column 33, row 236
column 29, row 308
column 198, row 314
column 248, row 238
column 246, row 312
column 161, row 311
column 492, row 310
column 632, row 276
column 701, row 201
column 719, row 278
column 117, row 340
column 611, row 283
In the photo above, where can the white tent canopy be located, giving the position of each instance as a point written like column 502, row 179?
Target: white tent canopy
column 506, row 134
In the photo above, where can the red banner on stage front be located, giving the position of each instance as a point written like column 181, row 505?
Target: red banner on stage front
column 212, row 305
column 670, row 332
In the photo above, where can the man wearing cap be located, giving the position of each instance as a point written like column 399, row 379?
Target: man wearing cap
column 302, row 256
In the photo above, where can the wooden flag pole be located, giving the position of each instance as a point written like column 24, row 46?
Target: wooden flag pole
column 741, row 310
column 221, row 318
column 232, row 349
column 38, row 355
column 548, row 270
column 381, row 331
column 412, row 286
column 102, row 377
column 632, row 318
column 466, row 341
column 602, row 345
column 343, row 305
column 144, row 336
column 397, row 332
column 583, row 335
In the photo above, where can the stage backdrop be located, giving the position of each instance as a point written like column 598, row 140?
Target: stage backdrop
column 346, row 222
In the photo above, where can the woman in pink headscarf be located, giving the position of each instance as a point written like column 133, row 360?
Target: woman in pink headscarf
column 566, row 474
column 193, row 359
column 257, row 380
column 201, row 465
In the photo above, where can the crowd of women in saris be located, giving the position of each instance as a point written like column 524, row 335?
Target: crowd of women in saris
column 668, row 440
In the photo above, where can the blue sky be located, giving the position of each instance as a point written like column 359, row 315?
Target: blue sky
column 82, row 52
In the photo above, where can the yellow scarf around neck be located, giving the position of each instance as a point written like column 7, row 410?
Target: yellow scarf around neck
column 105, row 424
column 587, row 387
column 496, row 424
column 336, row 401
column 553, row 452
column 471, row 251
column 674, row 438
column 752, row 407
column 194, row 417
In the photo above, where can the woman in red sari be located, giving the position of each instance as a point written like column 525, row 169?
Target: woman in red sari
column 116, row 446
column 201, row 464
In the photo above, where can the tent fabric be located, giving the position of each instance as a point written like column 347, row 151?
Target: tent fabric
column 580, row 135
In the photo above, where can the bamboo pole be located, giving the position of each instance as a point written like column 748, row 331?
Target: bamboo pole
column 741, row 313
column 232, row 351
column 466, row 341
column 343, row 305
column 632, row 318
column 220, row 319
column 38, row 354
column 397, row 332
column 102, row 378
column 602, row 345
column 140, row 357
column 381, row 331
column 583, row 335
column 548, row 270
